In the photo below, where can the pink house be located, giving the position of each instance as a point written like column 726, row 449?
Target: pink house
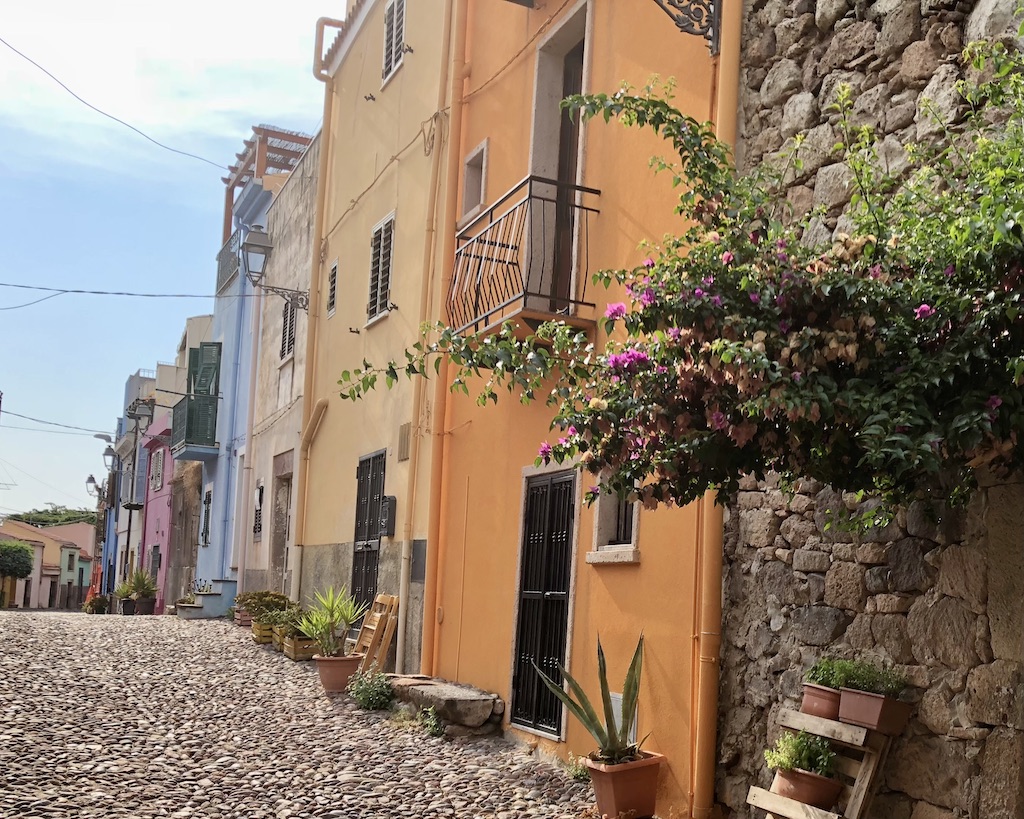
column 156, row 530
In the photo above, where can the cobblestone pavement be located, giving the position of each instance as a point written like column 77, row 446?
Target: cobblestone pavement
column 104, row 716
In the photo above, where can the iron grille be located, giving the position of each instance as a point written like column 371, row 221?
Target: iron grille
column 514, row 257
column 227, row 260
column 369, row 491
column 543, row 621
column 623, row 533
column 204, row 536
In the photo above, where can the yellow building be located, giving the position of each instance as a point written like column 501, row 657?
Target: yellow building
column 363, row 468
column 525, row 571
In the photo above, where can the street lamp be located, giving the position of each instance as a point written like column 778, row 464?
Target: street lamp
column 91, row 486
column 108, row 458
column 256, row 248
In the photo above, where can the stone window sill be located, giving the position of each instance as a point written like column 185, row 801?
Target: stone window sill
column 614, row 556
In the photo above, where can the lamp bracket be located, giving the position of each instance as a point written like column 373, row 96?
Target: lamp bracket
column 299, row 298
column 699, row 17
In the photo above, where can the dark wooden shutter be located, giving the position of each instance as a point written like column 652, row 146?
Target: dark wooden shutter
column 369, row 492
column 207, row 380
column 389, row 40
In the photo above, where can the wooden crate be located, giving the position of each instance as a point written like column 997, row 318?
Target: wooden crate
column 277, row 637
column 243, row 618
column 299, row 648
column 262, row 633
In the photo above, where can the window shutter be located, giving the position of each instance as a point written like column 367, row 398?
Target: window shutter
column 207, row 381
column 332, row 289
column 384, row 288
column 399, row 41
column 156, row 472
column 389, row 40
column 141, row 473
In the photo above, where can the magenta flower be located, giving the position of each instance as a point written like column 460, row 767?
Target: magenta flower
column 718, row 420
column 755, row 298
column 648, row 263
column 707, row 281
column 876, row 271
column 716, row 300
column 727, row 257
column 627, row 360
column 698, row 292
column 615, row 310
column 647, row 297
column 797, row 376
column 924, row 311
column 780, row 244
column 994, row 402
column 545, row 452
column 949, row 271
column 675, row 333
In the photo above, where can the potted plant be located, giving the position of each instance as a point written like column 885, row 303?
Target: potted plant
column 97, row 604
column 143, row 586
column 625, row 778
column 328, row 623
column 124, row 593
column 821, row 687
column 869, row 699
column 298, row 645
column 803, row 764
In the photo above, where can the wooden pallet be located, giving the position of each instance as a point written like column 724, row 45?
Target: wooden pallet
column 860, row 755
column 262, row 633
column 299, row 648
column 374, row 640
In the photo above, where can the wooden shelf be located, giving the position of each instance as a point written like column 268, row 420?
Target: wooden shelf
column 783, row 806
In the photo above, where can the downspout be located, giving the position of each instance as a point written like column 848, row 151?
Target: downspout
column 242, row 532
column 432, row 614
column 309, row 427
column 426, row 290
column 231, row 458
column 709, row 635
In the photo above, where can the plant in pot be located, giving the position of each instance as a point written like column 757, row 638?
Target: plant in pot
column 328, row 623
column 297, row 644
column 625, row 778
column 821, row 687
column 124, row 593
column 803, row 766
column 143, row 586
column 97, row 604
column 869, row 698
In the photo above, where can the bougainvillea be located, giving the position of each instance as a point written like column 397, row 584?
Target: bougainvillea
column 889, row 361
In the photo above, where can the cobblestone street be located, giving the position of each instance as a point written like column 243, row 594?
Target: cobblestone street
column 153, row 716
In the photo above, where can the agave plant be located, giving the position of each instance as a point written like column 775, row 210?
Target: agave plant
column 333, row 614
column 613, row 745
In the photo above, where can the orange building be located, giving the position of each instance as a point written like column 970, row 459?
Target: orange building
column 523, row 571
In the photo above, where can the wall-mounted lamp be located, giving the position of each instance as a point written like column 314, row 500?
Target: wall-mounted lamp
column 256, row 248
column 92, row 487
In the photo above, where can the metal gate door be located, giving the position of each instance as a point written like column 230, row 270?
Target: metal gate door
column 543, row 624
column 370, row 490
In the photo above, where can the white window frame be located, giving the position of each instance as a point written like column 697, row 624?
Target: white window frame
column 332, row 290
column 288, row 319
column 478, row 156
column 156, row 471
column 394, row 40
column 605, row 514
column 380, row 304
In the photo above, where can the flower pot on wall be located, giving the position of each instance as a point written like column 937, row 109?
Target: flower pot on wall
column 628, row 788
column 820, row 701
column 809, row 788
column 883, row 714
column 335, row 672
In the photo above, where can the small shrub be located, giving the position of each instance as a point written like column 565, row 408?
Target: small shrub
column 828, row 672
column 862, row 676
column 577, row 769
column 802, row 752
column 97, row 604
column 371, row 690
column 431, row 722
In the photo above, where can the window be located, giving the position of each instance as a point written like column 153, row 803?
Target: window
column 288, row 329
column 615, row 528
column 257, row 523
column 71, row 562
column 332, row 290
column 204, row 536
column 394, row 37
column 156, row 471
column 380, row 268
column 474, row 179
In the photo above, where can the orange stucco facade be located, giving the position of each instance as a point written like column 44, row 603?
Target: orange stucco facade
column 513, row 55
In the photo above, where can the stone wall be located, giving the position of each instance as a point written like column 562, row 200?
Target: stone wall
column 936, row 592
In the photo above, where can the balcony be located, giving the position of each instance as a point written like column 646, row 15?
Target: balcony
column 526, row 257
column 194, row 428
column 227, row 260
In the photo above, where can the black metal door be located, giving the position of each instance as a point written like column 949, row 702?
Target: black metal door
column 543, row 623
column 369, row 491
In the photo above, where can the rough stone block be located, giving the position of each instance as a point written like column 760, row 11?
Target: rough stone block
column 801, row 504
column 963, row 573
column 995, row 694
column 847, row 45
column 922, row 810
column 934, row 711
column 749, row 500
column 889, row 604
column 1006, row 586
column 900, row 28
column 932, row 769
column 872, row 554
column 808, row 560
column 908, row 571
column 858, row 635
column 989, row 20
column 890, row 632
column 459, row 704
column 793, row 31
column 1002, row 775
column 920, row 61
column 943, row 631
column 876, row 579
column 844, row 586
column 940, row 103
column 829, row 508
column 935, row 520
column 832, row 187
column 818, row 625
column 782, row 80
column 828, row 12
column 758, row 527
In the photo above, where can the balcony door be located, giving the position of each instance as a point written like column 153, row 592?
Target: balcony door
column 366, row 554
column 568, row 170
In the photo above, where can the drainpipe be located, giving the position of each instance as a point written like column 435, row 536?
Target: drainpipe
column 432, row 614
column 241, row 530
column 709, row 635
column 309, row 423
column 426, row 291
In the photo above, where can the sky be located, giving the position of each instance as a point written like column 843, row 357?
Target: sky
column 86, row 203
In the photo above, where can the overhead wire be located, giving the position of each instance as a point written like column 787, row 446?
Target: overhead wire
column 110, row 116
column 30, row 303
column 58, row 291
column 38, row 480
column 37, row 429
column 51, row 423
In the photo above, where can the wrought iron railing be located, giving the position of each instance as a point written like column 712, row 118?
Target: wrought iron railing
column 227, row 260
column 527, row 251
column 194, row 422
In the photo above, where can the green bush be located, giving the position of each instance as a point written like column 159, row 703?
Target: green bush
column 431, row 722
column 576, row 768
column 801, row 752
column 16, row 558
column 371, row 690
column 257, row 603
column 864, row 676
column 828, row 672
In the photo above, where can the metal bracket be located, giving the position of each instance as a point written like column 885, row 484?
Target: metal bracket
column 700, row 17
column 299, row 298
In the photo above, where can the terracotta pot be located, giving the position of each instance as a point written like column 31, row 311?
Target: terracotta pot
column 145, row 605
column 628, row 788
column 883, row 714
column 809, row 788
column 335, row 672
column 820, row 701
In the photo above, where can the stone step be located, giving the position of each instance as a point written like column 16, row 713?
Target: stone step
column 455, row 703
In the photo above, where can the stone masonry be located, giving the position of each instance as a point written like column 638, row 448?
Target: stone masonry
column 936, row 592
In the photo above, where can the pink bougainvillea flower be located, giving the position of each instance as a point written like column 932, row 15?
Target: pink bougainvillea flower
column 780, row 244
column 571, row 430
column 798, row 376
column 545, row 452
column 994, row 402
column 615, row 310
column 698, row 292
column 949, row 271
column 924, row 311
column 647, row 297
column 707, row 281
column 876, row 271
column 648, row 263
column 755, row 298
column 727, row 257
column 718, row 420
column 716, row 300
column 675, row 333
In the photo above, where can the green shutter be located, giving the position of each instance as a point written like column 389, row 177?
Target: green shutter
column 208, row 369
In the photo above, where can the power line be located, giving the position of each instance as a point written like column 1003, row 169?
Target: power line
column 51, row 423
column 51, row 431
column 30, row 303
column 111, row 116
column 57, row 291
column 44, row 483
